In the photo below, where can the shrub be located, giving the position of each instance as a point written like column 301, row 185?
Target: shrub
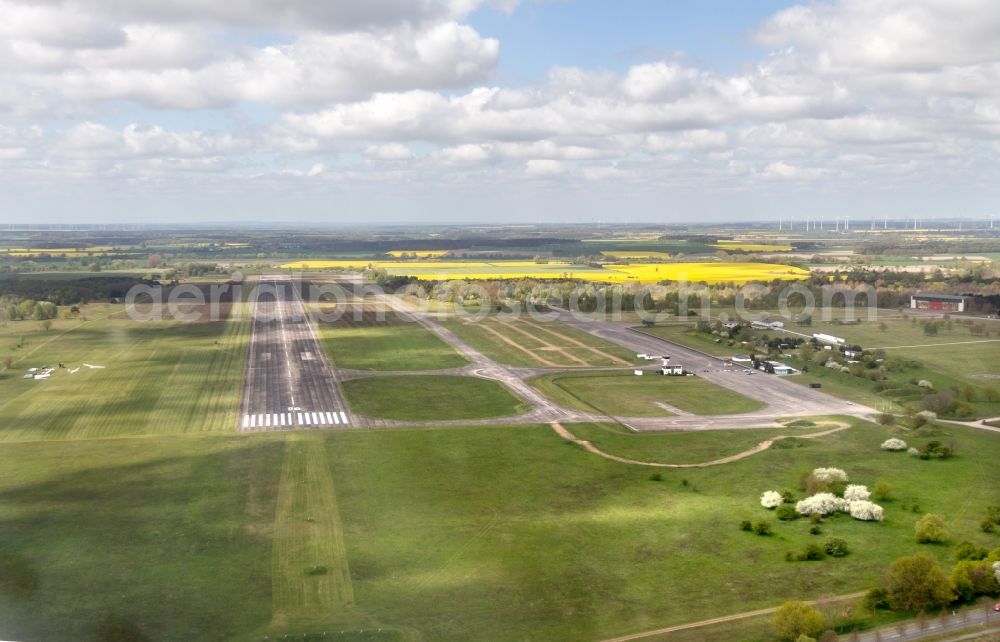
column 893, row 444
column 885, row 418
column 856, row 492
column 927, row 385
column 762, row 528
column 820, row 504
column 876, row 598
column 972, row 578
column 930, row 529
column 912, row 451
column 993, row 514
column 917, row 583
column 786, row 512
column 968, row 551
column 771, row 499
column 865, row 511
column 815, row 530
column 836, row 547
column 745, row 525
column 656, row 477
column 882, row 490
column 987, row 526
column 811, row 553
column 935, row 449
column 829, row 475
column 794, row 619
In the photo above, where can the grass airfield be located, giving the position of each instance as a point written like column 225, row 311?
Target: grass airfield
column 622, row 394
column 128, row 504
column 499, row 533
column 157, row 376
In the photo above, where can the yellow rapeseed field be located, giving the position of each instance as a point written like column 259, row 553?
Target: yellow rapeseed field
column 629, row 273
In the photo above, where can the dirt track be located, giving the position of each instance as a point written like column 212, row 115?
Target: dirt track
column 761, row 447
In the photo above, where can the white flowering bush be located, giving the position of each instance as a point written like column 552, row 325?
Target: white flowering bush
column 996, row 571
column 865, row 510
column 856, row 492
column 927, row 385
column 821, row 504
column 912, row 451
column 927, row 415
column 829, row 475
column 771, row 499
column 893, row 444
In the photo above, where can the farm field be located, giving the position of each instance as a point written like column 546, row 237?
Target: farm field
column 428, row 397
column 369, row 341
column 622, row 394
column 158, row 376
column 544, row 344
column 612, row 273
column 750, row 246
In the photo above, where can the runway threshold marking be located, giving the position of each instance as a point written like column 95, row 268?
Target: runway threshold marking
column 292, row 419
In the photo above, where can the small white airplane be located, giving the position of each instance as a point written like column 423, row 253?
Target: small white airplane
column 74, row 370
column 92, row 367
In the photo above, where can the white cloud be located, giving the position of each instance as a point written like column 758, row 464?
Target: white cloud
column 404, row 93
column 544, row 167
column 389, row 151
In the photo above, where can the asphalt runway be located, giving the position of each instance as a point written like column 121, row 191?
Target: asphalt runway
column 288, row 382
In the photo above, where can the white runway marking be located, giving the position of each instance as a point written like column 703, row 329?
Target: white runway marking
column 315, row 421
column 329, row 418
column 343, row 416
column 253, row 421
column 300, row 418
column 246, row 421
column 267, row 420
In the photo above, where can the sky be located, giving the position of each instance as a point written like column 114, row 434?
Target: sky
column 497, row 111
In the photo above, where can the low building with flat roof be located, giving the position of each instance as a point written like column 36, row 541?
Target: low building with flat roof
column 939, row 302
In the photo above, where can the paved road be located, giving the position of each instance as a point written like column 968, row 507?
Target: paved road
column 783, row 398
column 935, row 627
column 288, row 381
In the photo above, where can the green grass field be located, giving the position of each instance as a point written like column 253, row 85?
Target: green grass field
column 488, row 554
column 526, row 342
column 168, row 537
column 390, row 343
column 622, row 394
column 491, row 533
column 687, row 336
column 158, row 376
column 427, row 397
column 678, row 447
